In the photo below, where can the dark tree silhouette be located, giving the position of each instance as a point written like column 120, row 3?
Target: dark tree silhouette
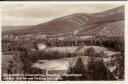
column 96, row 70
column 78, row 69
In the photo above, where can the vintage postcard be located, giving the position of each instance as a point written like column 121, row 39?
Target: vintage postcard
column 63, row 42
column 63, row 0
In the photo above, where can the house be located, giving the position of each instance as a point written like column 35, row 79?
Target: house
column 41, row 46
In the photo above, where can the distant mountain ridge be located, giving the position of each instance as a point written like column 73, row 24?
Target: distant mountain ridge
column 110, row 22
column 9, row 28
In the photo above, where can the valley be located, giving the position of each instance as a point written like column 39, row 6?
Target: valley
column 87, row 44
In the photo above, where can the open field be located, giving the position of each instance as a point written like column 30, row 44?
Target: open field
column 59, row 65
column 63, row 49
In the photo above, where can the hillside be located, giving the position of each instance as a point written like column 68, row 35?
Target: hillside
column 109, row 28
column 9, row 28
column 103, row 23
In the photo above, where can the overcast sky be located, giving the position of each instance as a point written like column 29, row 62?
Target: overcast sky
column 28, row 14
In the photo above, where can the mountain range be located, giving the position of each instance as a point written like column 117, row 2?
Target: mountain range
column 109, row 22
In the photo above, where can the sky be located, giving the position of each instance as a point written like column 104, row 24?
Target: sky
column 32, row 14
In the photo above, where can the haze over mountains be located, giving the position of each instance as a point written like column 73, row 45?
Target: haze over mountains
column 9, row 28
column 110, row 22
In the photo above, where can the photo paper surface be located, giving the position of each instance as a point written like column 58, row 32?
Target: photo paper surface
column 63, row 42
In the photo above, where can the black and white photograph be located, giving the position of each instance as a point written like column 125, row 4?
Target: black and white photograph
column 64, row 0
column 63, row 42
